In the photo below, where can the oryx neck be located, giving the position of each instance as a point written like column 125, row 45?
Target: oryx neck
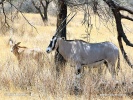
column 58, row 44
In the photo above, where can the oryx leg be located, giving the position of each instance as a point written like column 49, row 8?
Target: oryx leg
column 111, row 67
column 77, row 83
column 59, row 62
column 100, row 70
column 60, row 69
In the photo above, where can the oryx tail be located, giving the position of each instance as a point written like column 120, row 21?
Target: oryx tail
column 118, row 64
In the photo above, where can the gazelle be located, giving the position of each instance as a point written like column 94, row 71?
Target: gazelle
column 24, row 53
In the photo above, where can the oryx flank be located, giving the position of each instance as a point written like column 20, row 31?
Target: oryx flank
column 24, row 53
column 80, row 53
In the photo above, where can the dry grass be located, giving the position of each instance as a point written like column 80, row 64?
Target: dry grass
column 29, row 85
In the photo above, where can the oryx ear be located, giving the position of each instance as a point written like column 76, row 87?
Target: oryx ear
column 18, row 43
column 63, row 38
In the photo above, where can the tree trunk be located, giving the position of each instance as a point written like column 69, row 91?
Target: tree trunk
column 62, row 14
column 59, row 60
column 45, row 18
column 45, row 8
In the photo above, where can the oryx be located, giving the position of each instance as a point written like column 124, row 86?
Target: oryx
column 79, row 53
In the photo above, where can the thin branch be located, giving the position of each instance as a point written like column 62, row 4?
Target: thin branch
column 5, row 16
column 123, row 52
column 125, row 9
column 126, row 40
column 16, row 12
column 42, row 3
column 127, row 17
column 38, row 8
column 24, row 17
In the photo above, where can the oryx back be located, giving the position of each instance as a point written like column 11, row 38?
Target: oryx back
column 87, row 53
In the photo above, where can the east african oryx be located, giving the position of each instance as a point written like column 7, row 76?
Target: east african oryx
column 23, row 54
column 80, row 53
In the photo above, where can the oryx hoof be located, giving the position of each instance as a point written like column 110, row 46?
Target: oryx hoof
column 77, row 91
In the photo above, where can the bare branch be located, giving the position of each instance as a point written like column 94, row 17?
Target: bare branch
column 6, row 23
column 38, row 8
column 24, row 17
column 126, row 40
column 45, row 7
column 42, row 3
column 123, row 52
column 125, row 9
column 127, row 17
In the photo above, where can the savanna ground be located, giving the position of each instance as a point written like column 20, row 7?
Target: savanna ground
column 16, row 84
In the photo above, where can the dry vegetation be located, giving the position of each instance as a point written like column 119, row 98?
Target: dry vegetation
column 29, row 85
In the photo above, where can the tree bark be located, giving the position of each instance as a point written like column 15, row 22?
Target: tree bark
column 62, row 14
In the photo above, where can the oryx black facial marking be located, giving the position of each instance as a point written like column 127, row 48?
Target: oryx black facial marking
column 52, row 44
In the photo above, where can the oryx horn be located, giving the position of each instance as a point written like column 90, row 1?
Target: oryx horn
column 58, row 31
column 62, row 23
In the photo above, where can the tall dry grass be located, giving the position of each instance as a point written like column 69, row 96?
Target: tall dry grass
column 27, row 83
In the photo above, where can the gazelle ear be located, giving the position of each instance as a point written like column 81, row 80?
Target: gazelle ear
column 63, row 38
column 18, row 43
column 10, row 41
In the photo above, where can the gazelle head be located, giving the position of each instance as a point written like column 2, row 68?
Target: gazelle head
column 52, row 44
column 14, row 46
